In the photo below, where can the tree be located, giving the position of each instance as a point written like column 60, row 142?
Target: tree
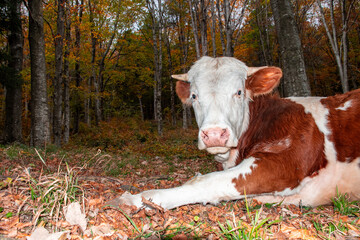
column 58, row 80
column 263, row 29
column 155, row 11
column 295, row 79
column 183, row 32
column 39, row 106
column 67, row 75
column 340, row 52
column 213, row 29
column 229, row 21
column 13, row 80
column 77, row 99
column 194, row 25
column 99, row 79
column 198, row 13
column 170, row 72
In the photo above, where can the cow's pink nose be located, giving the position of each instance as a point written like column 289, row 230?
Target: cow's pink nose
column 215, row 137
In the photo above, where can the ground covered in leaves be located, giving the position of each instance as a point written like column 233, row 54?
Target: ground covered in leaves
column 57, row 193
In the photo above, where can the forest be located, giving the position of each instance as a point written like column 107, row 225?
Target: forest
column 88, row 110
column 113, row 59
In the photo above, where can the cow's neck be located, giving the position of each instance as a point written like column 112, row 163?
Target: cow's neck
column 261, row 111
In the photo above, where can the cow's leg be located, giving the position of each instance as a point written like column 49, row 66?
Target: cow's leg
column 209, row 188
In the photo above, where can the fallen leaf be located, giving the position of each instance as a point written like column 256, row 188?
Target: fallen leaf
column 295, row 233
column 102, row 230
column 180, row 237
column 41, row 233
column 74, row 215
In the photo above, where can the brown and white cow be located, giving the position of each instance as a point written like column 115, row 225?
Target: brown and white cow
column 292, row 150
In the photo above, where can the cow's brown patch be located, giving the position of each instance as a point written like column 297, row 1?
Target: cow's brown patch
column 279, row 166
column 344, row 123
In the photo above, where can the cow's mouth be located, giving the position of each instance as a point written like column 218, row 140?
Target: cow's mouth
column 217, row 150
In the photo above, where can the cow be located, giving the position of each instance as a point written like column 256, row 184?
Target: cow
column 296, row 150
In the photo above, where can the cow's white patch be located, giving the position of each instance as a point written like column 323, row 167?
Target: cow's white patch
column 345, row 106
column 209, row 188
column 320, row 114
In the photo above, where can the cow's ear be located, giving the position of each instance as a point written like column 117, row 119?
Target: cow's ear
column 183, row 90
column 263, row 81
column 182, row 77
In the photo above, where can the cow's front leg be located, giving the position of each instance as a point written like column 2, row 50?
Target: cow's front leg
column 209, row 188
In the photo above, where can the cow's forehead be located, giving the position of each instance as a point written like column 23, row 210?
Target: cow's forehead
column 218, row 73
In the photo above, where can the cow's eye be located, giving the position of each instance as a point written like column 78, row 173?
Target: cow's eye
column 238, row 93
column 193, row 96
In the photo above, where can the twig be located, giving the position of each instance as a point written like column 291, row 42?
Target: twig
column 152, row 205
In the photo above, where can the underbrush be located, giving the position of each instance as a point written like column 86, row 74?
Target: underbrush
column 137, row 144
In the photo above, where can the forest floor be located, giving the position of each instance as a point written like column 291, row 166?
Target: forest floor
column 37, row 187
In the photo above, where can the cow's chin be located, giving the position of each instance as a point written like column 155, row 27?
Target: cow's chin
column 217, row 150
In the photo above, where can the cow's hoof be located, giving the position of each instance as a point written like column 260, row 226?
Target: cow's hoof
column 127, row 199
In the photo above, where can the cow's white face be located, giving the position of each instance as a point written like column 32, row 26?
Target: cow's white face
column 220, row 93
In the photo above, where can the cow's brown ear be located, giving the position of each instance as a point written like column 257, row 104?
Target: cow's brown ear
column 183, row 90
column 263, row 81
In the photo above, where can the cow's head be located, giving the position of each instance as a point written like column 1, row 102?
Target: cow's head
column 220, row 89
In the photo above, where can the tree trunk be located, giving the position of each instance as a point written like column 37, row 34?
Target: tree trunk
column 194, row 27
column 213, row 29
column 141, row 109
column 87, row 101
column 67, row 77
column 159, row 70
column 58, row 80
column 39, row 106
column 221, row 27
column 155, row 12
column 295, row 79
column 13, row 103
column 341, row 62
column 345, row 50
column 77, row 98
column 98, row 84
column 172, row 90
column 97, row 100
column 185, row 115
column 261, row 20
column 228, row 29
column 184, row 46
column 230, row 24
column 203, row 27
column 92, row 78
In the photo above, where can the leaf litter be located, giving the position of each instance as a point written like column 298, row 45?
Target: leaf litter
column 68, row 199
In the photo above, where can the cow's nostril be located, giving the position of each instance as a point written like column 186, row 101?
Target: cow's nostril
column 204, row 135
column 224, row 133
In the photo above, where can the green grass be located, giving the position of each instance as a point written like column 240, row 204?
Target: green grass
column 237, row 230
column 50, row 193
column 344, row 206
